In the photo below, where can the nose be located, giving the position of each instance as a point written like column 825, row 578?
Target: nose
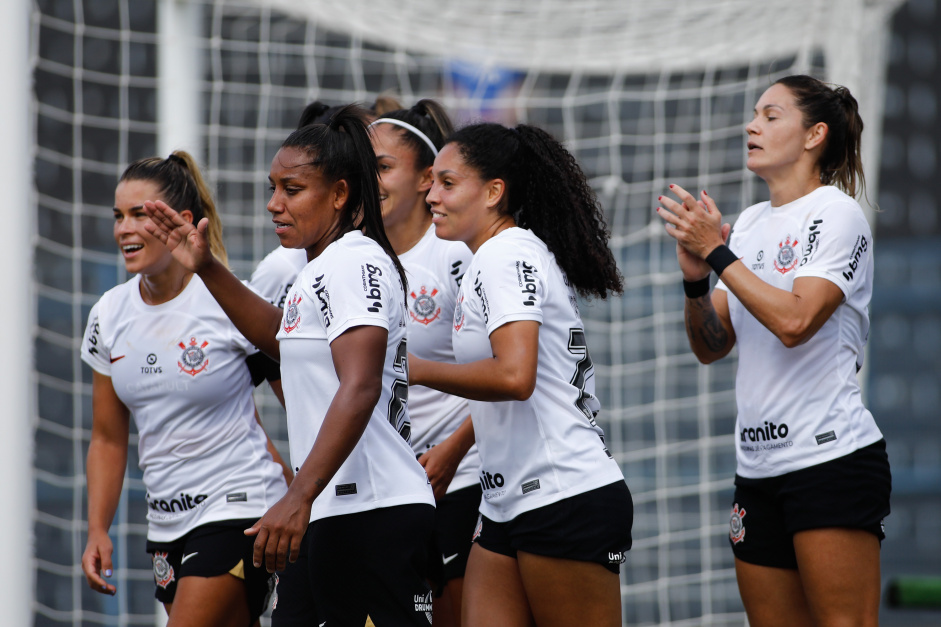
column 273, row 205
column 752, row 127
column 432, row 197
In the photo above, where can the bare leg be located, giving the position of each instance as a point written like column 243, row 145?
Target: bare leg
column 565, row 592
column 447, row 607
column 210, row 602
column 493, row 592
column 773, row 597
column 840, row 571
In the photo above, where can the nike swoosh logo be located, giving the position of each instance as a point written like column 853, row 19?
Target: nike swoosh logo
column 445, row 560
column 114, row 359
column 186, row 557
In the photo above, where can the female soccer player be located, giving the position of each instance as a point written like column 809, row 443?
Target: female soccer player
column 359, row 496
column 406, row 143
column 813, row 481
column 163, row 352
column 556, row 514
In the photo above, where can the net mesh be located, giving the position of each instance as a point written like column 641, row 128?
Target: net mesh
column 638, row 111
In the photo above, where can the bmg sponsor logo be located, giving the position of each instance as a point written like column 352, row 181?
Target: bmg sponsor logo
column 862, row 245
column 525, row 276
column 370, row 274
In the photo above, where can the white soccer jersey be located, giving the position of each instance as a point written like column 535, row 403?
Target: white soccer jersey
column 352, row 283
column 179, row 367
column 275, row 274
column 434, row 269
column 802, row 406
column 548, row 447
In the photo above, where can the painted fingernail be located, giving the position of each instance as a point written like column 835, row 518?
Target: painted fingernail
column 104, row 587
column 659, row 197
column 704, row 193
column 108, row 573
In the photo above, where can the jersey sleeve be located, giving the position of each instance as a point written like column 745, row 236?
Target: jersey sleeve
column 509, row 286
column 458, row 259
column 95, row 352
column 355, row 293
column 837, row 246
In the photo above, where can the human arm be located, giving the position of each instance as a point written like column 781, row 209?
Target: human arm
column 358, row 357
column 105, row 467
column 254, row 317
column 510, row 375
column 792, row 316
column 440, row 462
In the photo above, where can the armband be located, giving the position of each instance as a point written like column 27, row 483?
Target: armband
column 696, row 289
column 721, row 258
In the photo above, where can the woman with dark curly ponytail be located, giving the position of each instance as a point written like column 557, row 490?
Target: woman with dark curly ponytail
column 556, row 514
column 165, row 355
column 359, row 501
column 812, row 479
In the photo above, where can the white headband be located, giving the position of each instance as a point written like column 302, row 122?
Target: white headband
column 408, row 127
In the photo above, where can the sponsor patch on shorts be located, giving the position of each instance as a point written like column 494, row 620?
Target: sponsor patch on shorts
column 530, row 486
column 823, row 438
column 345, row 489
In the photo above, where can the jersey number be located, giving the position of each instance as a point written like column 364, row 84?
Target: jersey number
column 399, row 399
column 578, row 346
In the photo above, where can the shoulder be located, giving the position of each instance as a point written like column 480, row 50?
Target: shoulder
column 281, row 260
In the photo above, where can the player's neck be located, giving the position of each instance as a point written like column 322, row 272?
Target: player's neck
column 406, row 234
column 156, row 289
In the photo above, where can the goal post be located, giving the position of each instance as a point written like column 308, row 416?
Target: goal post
column 643, row 93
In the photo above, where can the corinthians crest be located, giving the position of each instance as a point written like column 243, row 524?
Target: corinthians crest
column 787, row 256
column 194, row 359
column 736, row 526
column 163, row 572
column 424, row 309
column 292, row 316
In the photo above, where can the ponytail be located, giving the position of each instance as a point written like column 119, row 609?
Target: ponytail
column 547, row 192
column 183, row 187
column 840, row 162
column 341, row 150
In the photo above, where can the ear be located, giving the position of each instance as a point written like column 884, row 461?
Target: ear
column 340, row 194
column 187, row 215
column 496, row 192
column 425, row 181
column 816, row 135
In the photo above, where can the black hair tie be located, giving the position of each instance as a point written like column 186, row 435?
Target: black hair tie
column 177, row 160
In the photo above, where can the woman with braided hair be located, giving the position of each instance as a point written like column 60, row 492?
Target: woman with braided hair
column 812, row 481
column 165, row 354
column 556, row 514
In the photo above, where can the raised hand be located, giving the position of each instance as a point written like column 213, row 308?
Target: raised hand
column 697, row 227
column 189, row 244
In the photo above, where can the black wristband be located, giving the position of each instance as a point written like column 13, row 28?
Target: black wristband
column 696, row 289
column 721, row 258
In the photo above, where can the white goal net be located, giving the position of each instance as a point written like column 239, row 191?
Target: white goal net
column 644, row 93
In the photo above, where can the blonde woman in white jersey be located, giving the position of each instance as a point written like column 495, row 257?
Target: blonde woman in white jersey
column 406, row 142
column 813, row 480
column 164, row 354
column 556, row 514
column 359, row 499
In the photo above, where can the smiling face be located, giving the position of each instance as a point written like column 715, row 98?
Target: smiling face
column 464, row 207
column 304, row 206
column 402, row 184
column 142, row 252
column 777, row 138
